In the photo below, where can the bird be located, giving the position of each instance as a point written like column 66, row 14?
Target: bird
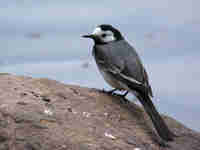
column 122, row 68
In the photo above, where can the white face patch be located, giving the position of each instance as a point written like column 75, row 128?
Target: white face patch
column 104, row 36
column 97, row 31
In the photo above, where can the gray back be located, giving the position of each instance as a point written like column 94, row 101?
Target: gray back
column 124, row 56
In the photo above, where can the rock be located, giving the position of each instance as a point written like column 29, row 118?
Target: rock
column 43, row 114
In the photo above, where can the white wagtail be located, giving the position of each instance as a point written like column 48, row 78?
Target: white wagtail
column 122, row 68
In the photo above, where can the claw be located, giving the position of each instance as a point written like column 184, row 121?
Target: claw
column 109, row 92
column 124, row 95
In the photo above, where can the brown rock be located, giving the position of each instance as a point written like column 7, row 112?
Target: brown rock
column 43, row 114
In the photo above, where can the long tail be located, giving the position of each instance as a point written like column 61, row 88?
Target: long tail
column 159, row 124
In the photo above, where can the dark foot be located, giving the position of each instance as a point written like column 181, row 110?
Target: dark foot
column 109, row 92
column 123, row 97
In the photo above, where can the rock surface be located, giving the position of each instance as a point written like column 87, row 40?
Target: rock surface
column 43, row 114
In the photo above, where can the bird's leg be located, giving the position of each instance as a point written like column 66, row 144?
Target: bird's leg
column 124, row 95
column 109, row 92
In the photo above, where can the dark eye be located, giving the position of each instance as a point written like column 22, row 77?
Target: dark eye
column 103, row 35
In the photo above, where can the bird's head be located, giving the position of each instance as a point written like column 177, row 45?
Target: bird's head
column 104, row 34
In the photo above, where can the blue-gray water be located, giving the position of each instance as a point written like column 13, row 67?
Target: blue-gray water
column 42, row 39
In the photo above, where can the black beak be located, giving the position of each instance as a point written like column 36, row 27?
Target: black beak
column 91, row 36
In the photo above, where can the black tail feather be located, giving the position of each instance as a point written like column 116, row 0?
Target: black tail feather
column 159, row 124
column 143, row 96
